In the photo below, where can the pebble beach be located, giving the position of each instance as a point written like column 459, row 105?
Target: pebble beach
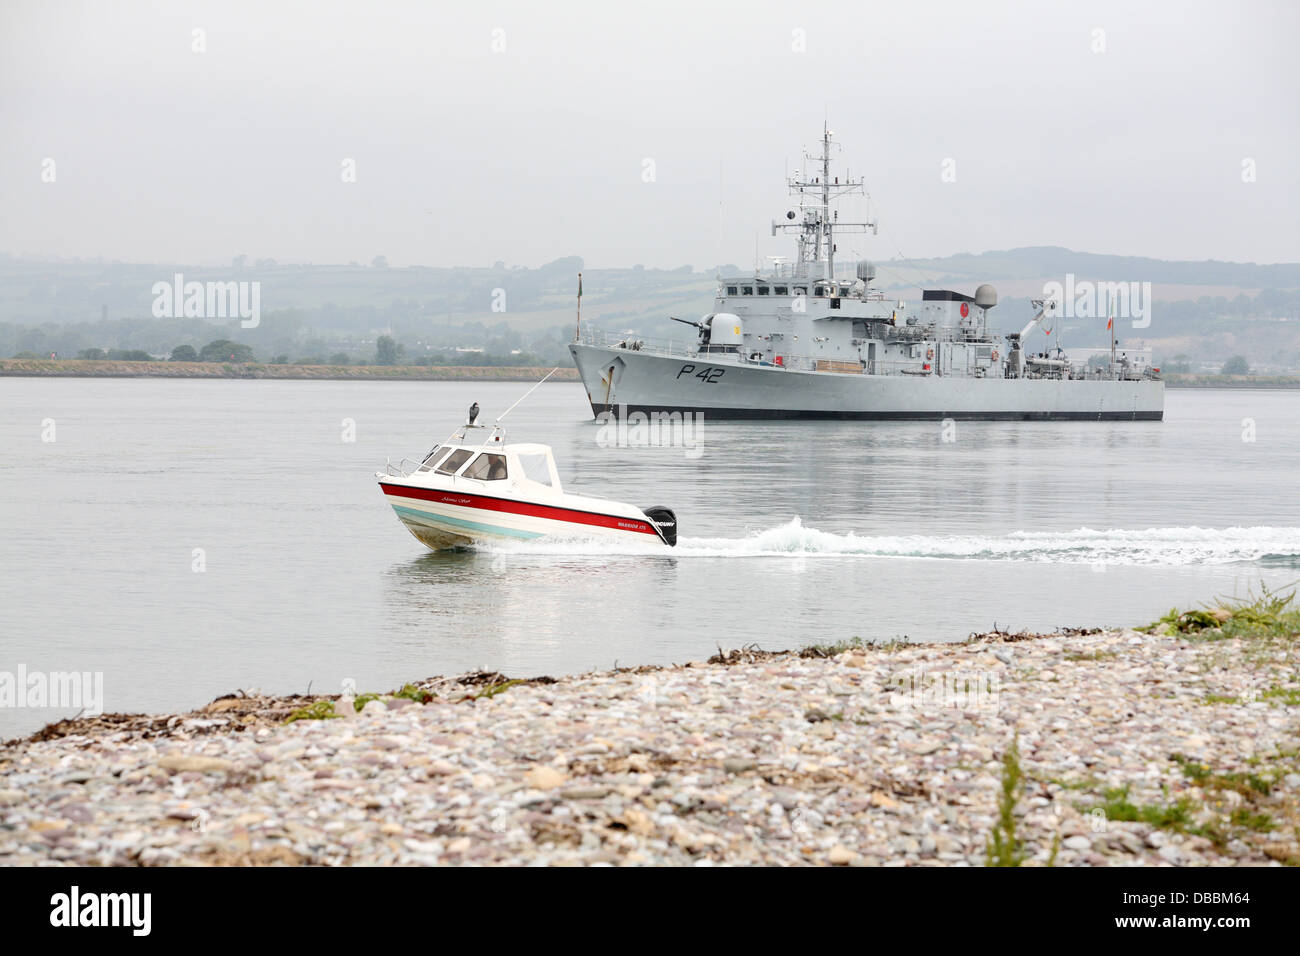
column 1129, row 749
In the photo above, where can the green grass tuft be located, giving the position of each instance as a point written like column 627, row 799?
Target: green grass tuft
column 493, row 689
column 1271, row 613
column 1287, row 696
column 832, row 649
column 1004, row 847
column 411, row 692
column 320, row 710
column 1164, row 816
column 1207, row 779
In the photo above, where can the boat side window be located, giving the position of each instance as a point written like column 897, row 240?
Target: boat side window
column 454, row 461
column 762, row 290
column 536, row 468
column 747, row 290
column 487, row 468
column 731, row 290
column 801, row 290
column 431, row 459
column 782, row 290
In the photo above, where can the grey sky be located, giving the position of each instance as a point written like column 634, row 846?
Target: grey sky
column 465, row 156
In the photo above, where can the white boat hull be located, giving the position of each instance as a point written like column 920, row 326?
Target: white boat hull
column 443, row 519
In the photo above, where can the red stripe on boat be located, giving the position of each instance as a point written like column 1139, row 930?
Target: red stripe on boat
column 510, row 506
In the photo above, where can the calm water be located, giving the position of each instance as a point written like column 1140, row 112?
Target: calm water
column 792, row 533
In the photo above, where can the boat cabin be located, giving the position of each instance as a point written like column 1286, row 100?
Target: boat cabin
column 527, row 467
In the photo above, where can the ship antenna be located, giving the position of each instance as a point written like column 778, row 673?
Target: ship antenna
column 526, row 394
column 826, row 201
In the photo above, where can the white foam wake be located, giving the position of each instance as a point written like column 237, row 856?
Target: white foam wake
column 1151, row 546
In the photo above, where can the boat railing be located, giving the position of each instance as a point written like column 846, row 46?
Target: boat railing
column 400, row 470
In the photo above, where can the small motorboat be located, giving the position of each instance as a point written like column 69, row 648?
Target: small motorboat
column 475, row 488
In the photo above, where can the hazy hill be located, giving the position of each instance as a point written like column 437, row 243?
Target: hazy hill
column 1039, row 262
column 1203, row 311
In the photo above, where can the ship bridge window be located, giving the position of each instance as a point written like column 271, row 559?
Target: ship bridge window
column 819, row 290
column 801, row 290
column 487, row 468
column 782, row 290
column 762, row 290
column 731, row 290
column 454, row 461
column 747, row 290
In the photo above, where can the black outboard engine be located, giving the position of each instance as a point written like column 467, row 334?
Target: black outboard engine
column 665, row 523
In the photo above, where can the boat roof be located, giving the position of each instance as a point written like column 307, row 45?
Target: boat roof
column 529, row 448
column 494, row 444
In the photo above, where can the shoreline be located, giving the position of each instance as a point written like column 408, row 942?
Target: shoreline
column 1181, row 380
column 97, row 368
column 1135, row 749
column 103, row 368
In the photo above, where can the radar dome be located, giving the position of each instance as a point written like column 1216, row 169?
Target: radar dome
column 986, row 297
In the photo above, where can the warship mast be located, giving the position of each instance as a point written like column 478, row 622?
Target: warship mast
column 818, row 222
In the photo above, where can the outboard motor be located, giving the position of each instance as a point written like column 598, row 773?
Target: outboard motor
column 665, row 522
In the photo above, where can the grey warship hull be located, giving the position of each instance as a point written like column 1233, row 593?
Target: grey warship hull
column 621, row 381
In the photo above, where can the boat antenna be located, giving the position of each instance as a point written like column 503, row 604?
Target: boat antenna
column 526, row 394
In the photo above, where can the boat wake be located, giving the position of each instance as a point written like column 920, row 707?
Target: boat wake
column 1153, row 546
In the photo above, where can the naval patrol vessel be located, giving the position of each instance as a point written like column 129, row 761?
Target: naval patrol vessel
column 804, row 342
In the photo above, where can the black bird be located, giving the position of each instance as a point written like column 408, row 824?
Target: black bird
column 473, row 412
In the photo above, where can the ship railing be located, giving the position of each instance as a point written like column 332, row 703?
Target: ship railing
column 636, row 343
column 789, row 361
column 846, row 365
column 1133, row 373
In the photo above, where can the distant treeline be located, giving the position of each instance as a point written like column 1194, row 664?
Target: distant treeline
column 388, row 352
column 75, row 368
column 196, row 340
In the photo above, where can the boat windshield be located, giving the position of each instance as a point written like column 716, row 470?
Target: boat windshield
column 454, row 461
column 431, row 459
